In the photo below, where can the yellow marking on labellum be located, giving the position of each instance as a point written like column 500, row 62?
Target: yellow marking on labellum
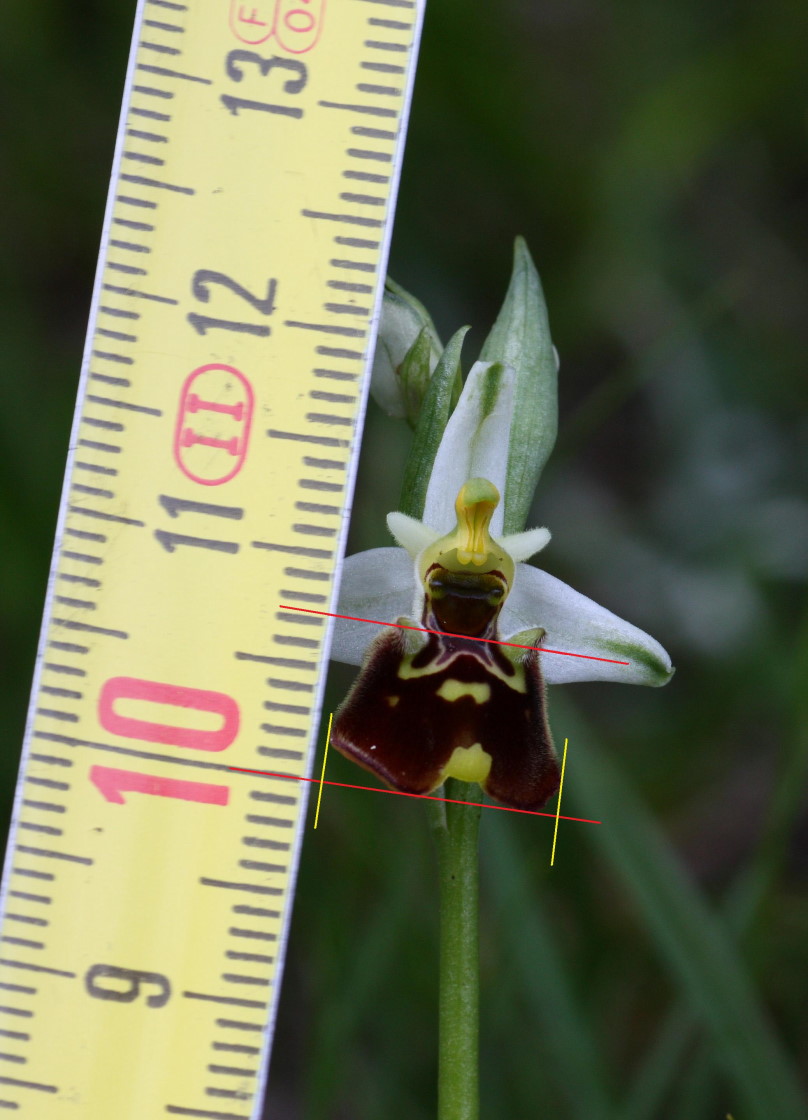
column 468, row 764
column 393, row 700
column 454, row 690
column 407, row 671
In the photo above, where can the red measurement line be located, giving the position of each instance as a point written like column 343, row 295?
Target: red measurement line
column 446, row 634
column 421, row 796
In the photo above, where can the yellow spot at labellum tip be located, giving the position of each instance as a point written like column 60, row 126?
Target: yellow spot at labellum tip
column 468, row 764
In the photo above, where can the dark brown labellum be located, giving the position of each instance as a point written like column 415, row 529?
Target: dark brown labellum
column 455, row 707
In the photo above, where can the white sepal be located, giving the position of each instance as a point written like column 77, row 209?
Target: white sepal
column 377, row 584
column 576, row 624
column 474, row 445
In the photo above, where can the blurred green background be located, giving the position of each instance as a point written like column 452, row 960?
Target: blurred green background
column 654, row 157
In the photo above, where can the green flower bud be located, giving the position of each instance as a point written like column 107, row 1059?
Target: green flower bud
column 403, row 319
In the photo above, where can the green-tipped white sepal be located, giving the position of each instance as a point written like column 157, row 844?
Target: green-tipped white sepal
column 521, row 338
column 575, row 625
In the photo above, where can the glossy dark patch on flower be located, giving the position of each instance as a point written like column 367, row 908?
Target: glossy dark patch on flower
column 464, row 602
column 408, row 714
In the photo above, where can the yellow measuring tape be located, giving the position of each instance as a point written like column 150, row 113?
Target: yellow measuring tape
column 148, row 887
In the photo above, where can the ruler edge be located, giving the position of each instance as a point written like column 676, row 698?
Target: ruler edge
column 341, row 543
column 419, row 9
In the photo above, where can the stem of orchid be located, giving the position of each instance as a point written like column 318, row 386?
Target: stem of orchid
column 458, row 1044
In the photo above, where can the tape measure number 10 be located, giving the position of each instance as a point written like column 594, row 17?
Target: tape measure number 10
column 148, row 887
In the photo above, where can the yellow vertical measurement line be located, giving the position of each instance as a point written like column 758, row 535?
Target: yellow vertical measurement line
column 558, row 806
column 322, row 775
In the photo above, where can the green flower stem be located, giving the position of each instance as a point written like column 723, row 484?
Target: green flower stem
column 459, row 997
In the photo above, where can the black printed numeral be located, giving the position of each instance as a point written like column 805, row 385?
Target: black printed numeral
column 175, row 506
column 292, row 85
column 201, row 290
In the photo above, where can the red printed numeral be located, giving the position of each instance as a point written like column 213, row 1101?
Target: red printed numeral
column 113, row 783
column 213, row 424
column 198, row 699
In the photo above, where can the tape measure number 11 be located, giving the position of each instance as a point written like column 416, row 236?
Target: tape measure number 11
column 148, row 886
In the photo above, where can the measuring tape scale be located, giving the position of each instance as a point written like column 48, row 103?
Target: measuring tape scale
column 147, row 888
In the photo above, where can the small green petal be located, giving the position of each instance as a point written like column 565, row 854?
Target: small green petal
column 519, row 645
column 410, row 533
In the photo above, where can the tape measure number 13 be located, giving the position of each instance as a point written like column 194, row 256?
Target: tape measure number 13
column 148, row 886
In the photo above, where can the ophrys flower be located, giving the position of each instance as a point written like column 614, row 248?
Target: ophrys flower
column 466, row 702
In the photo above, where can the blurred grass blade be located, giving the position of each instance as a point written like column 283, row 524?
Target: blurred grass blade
column 695, row 945
column 663, row 1061
column 746, row 898
column 541, row 972
column 355, row 999
column 698, row 1094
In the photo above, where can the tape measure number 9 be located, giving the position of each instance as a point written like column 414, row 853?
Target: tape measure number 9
column 149, row 878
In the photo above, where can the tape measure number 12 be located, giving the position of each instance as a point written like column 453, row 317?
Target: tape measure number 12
column 148, row 887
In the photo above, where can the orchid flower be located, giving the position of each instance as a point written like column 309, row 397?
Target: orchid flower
column 455, row 688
